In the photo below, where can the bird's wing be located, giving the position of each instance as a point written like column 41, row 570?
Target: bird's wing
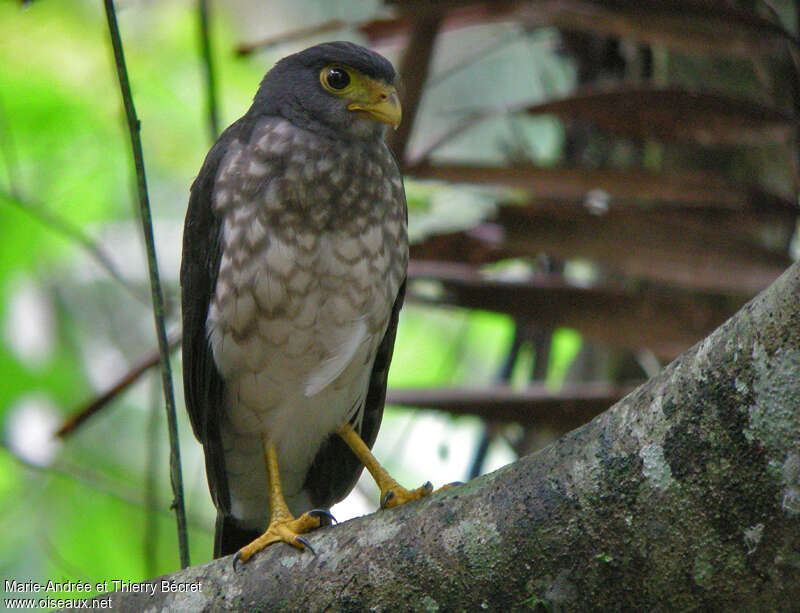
column 346, row 341
column 335, row 469
column 203, row 386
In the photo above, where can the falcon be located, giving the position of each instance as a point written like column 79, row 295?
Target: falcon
column 294, row 264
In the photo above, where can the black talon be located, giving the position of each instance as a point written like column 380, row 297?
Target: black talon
column 323, row 514
column 386, row 498
column 236, row 559
column 300, row 539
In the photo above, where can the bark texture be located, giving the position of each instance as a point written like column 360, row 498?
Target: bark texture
column 684, row 496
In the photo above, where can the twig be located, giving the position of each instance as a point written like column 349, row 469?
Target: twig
column 66, row 228
column 292, row 35
column 95, row 480
column 124, row 382
column 208, row 64
column 155, row 284
column 45, row 216
column 151, row 494
column 470, row 118
column 9, row 152
column 455, row 129
column 474, row 55
column 378, row 31
column 503, row 377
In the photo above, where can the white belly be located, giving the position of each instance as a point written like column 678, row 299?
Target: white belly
column 296, row 424
column 295, row 345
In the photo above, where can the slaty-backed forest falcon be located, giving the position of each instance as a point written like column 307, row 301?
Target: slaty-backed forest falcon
column 294, row 264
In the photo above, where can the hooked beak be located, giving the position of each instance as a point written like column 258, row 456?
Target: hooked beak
column 382, row 104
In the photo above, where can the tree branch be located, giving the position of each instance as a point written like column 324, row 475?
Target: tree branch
column 683, row 496
column 413, row 73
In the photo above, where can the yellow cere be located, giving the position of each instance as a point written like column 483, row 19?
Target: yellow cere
column 375, row 98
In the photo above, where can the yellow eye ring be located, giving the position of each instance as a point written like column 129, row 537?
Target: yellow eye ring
column 335, row 78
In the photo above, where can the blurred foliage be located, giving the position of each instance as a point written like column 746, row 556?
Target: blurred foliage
column 79, row 511
column 96, row 506
column 82, row 509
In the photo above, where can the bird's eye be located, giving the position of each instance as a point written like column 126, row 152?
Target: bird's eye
column 336, row 78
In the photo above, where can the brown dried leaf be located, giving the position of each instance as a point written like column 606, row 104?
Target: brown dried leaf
column 571, row 184
column 691, row 25
column 664, row 320
column 673, row 114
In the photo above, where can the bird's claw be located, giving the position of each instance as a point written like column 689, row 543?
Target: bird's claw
column 449, row 485
column 324, row 516
column 306, row 544
column 285, row 530
column 398, row 495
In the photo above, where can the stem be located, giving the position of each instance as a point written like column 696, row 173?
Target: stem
column 155, row 284
column 208, row 63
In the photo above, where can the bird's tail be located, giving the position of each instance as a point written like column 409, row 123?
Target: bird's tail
column 229, row 537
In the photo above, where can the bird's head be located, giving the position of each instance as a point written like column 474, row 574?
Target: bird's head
column 339, row 89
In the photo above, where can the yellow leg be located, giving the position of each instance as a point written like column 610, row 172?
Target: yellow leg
column 392, row 493
column 283, row 527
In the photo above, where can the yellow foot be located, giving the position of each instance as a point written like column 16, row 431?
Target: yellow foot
column 395, row 495
column 286, row 531
column 392, row 493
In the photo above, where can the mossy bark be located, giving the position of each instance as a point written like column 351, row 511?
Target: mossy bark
column 684, row 496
